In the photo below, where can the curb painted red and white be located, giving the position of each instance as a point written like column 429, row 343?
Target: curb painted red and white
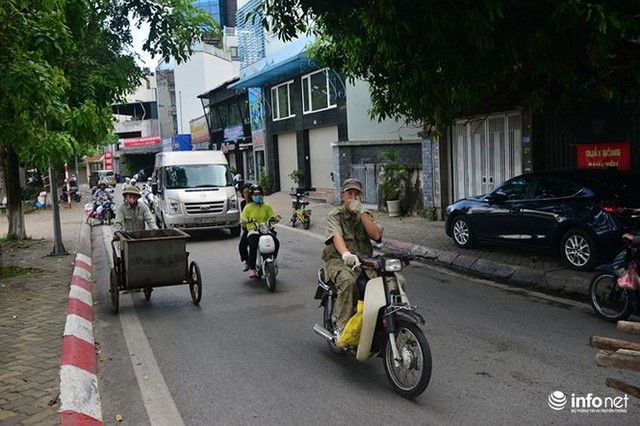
column 79, row 393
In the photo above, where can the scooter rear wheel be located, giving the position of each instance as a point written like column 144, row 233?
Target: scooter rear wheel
column 608, row 300
column 411, row 376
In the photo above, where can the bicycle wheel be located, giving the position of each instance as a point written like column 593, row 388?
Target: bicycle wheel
column 608, row 300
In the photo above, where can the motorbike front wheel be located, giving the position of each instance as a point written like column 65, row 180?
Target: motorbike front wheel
column 412, row 374
column 307, row 222
column 608, row 300
column 270, row 275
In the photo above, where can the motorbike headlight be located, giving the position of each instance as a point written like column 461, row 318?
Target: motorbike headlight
column 174, row 206
column 392, row 265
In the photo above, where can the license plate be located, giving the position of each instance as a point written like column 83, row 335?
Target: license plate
column 204, row 220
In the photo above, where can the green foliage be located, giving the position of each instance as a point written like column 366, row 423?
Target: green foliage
column 297, row 176
column 64, row 63
column 263, row 181
column 394, row 176
column 431, row 61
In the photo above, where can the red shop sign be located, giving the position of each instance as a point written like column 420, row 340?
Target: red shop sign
column 614, row 154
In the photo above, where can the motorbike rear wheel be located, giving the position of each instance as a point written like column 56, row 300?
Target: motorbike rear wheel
column 608, row 300
column 412, row 376
column 328, row 322
column 270, row 276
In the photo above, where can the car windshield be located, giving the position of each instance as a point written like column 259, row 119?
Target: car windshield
column 197, row 176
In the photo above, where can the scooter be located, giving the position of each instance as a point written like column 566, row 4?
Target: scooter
column 104, row 212
column 300, row 211
column 266, row 263
column 608, row 299
column 390, row 325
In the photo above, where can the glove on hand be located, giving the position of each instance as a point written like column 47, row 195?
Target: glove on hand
column 356, row 207
column 350, row 259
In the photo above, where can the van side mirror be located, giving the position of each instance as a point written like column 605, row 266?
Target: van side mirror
column 154, row 188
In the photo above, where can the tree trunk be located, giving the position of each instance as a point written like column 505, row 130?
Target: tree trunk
column 15, row 214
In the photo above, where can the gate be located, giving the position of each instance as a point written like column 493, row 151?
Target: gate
column 367, row 173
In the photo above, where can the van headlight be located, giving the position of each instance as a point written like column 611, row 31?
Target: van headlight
column 232, row 203
column 174, row 206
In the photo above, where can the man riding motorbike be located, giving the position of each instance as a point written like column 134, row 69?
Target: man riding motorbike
column 350, row 229
column 260, row 212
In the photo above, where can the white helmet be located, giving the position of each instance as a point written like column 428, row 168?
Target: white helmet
column 132, row 181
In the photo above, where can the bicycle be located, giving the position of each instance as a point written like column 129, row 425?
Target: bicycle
column 300, row 211
column 612, row 299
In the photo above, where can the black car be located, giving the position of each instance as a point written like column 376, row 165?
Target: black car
column 580, row 212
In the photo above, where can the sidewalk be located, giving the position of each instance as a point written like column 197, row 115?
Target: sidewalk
column 537, row 270
column 33, row 307
column 32, row 317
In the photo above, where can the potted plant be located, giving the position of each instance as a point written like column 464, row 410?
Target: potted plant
column 297, row 176
column 393, row 178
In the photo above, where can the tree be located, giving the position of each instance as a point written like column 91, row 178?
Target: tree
column 433, row 61
column 64, row 63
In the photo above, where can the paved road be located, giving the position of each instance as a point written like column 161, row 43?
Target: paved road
column 246, row 356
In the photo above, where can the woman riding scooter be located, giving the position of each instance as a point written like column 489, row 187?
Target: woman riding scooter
column 260, row 212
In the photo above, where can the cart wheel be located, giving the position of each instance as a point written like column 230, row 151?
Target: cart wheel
column 195, row 283
column 115, row 292
column 147, row 293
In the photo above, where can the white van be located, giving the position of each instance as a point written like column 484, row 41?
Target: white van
column 194, row 190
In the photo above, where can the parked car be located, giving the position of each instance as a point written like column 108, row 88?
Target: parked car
column 582, row 213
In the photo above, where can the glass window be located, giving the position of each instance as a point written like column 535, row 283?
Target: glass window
column 555, row 188
column 317, row 91
column 280, row 101
column 515, row 189
column 197, row 176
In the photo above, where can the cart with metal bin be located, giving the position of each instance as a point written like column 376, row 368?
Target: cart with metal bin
column 152, row 258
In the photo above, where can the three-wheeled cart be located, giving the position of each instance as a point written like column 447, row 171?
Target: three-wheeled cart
column 152, row 258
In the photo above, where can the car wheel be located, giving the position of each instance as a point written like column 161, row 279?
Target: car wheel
column 578, row 250
column 461, row 232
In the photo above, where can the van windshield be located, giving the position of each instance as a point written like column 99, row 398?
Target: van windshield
column 197, row 176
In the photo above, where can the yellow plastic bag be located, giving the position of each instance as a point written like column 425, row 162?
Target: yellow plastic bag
column 351, row 334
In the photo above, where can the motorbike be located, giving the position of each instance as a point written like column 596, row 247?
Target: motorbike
column 266, row 263
column 104, row 212
column 609, row 300
column 300, row 211
column 75, row 196
column 390, row 325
